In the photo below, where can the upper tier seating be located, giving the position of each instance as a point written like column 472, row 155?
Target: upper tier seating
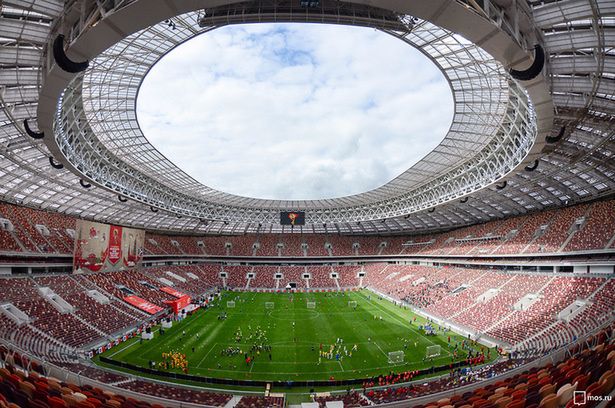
column 8, row 241
column 268, row 245
column 243, row 245
column 393, row 245
column 316, row 244
column 500, row 231
column 217, row 245
column 529, row 226
column 558, row 230
column 341, row 245
column 161, row 244
column 24, row 222
column 542, row 232
column 293, row 245
column 27, row 234
column 598, row 229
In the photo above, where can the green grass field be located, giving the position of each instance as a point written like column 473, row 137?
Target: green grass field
column 294, row 333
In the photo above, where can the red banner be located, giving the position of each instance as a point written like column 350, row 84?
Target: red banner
column 178, row 304
column 172, row 292
column 143, row 304
column 115, row 244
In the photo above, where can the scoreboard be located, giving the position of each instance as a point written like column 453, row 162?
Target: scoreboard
column 292, row 218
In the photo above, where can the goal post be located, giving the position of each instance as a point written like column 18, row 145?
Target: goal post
column 311, row 305
column 433, row 351
column 352, row 303
column 269, row 305
column 230, row 304
column 396, row 357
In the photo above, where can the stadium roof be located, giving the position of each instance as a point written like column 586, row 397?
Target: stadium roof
column 481, row 170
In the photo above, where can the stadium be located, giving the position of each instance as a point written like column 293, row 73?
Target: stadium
column 480, row 275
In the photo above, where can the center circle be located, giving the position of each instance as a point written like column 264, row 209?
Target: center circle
column 294, row 111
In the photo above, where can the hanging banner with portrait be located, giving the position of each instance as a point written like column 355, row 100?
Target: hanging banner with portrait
column 102, row 247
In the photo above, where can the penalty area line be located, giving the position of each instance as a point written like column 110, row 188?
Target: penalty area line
column 400, row 318
column 380, row 348
column 205, row 356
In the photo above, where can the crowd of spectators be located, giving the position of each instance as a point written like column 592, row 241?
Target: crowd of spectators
column 489, row 301
column 577, row 228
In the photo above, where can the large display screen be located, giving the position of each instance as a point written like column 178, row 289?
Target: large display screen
column 102, row 247
column 292, row 218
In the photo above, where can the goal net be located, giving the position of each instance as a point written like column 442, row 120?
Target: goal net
column 396, row 357
column 311, row 305
column 352, row 303
column 269, row 305
column 230, row 304
column 432, row 351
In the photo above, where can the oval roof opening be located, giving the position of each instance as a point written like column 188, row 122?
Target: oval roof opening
column 294, row 111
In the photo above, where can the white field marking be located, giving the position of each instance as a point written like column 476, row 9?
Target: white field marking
column 310, row 363
column 298, row 362
column 251, row 367
column 205, row 340
column 310, row 372
column 142, row 359
column 365, row 324
column 128, row 346
column 313, row 315
column 340, row 363
column 300, row 311
column 201, row 360
column 185, row 326
column 292, row 344
column 411, row 327
column 379, row 348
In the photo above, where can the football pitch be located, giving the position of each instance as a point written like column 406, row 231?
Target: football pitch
column 346, row 335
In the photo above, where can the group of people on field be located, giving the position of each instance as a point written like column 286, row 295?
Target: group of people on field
column 173, row 360
column 337, row 351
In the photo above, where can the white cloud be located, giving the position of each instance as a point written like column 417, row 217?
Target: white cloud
column 294, row 111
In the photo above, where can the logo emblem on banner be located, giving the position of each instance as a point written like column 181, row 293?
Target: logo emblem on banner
column 115, row 244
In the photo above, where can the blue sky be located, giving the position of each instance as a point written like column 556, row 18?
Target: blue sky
column 294, row 111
